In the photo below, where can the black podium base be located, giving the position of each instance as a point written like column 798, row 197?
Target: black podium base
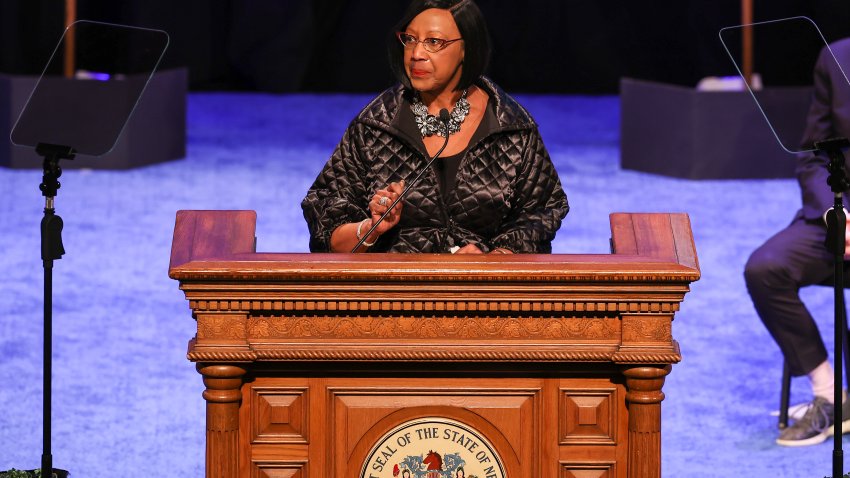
column 155, row 133
column 681, row 132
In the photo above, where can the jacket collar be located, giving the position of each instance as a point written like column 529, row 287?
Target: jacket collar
column 383, row 111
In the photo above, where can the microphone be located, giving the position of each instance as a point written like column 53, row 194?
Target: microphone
column 444, row 118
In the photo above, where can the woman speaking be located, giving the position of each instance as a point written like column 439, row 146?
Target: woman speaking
column 493, row 189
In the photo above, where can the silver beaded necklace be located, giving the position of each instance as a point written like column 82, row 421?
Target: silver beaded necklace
column 429, row 125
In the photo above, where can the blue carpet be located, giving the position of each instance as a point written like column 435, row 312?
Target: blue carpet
column 127, row 400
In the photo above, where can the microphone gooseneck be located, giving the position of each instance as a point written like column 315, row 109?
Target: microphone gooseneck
column 444, row 118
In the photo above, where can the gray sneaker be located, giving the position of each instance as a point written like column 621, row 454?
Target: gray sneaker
column 813, row 428
column 845, row 420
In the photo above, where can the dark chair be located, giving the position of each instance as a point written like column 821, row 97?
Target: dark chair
column 785, row 394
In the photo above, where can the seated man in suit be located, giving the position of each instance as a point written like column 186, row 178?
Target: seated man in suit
column 796, row 257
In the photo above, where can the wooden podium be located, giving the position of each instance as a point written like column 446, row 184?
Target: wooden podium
column 433, row 365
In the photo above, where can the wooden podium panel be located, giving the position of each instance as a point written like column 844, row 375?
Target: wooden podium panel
column 433, row 365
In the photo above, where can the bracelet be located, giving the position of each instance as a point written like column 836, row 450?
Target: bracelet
column 502, row 250
column 359, row 238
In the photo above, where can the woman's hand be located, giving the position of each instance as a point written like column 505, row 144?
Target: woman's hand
column 501, row 250
column 346, row 236
column 469, row 249
column 381, row 201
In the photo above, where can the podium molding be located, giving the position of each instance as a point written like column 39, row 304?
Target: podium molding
column 557, row 360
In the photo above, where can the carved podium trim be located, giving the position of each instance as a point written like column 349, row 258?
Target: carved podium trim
column 313, row 317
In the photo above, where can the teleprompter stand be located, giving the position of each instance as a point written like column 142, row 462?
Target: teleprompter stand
column 51, row 250
column 59, row 125
column 788, row 34
column 835, row 242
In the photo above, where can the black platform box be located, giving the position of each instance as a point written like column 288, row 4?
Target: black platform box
column 155, row 133
column 681, row 132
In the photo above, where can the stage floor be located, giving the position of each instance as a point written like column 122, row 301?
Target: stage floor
column 117, row 403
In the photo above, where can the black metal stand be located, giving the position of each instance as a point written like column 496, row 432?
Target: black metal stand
column 837, row 222
column 51, row 249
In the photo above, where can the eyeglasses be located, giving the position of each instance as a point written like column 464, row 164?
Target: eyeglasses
column 432, row 45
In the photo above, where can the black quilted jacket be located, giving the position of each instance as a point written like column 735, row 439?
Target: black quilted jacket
column 507, row 192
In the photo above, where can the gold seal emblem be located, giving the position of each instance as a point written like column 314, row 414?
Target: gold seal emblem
column 433, row 448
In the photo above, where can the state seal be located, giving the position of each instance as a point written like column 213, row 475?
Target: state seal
column 433, row 448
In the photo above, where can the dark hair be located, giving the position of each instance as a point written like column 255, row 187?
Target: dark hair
column 473, row 29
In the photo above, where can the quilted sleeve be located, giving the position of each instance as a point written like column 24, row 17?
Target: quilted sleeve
column 540, row 203
column 335, row 198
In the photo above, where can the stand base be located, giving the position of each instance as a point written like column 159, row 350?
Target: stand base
column 13, row 473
